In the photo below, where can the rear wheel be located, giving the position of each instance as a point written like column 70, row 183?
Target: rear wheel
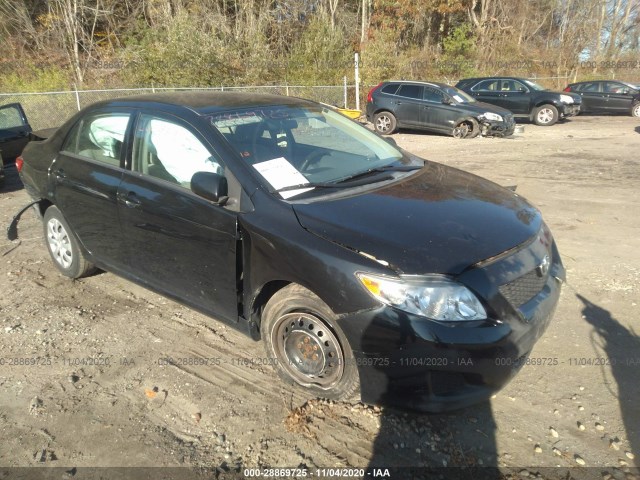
column 635, row 109
column 385, row 123
column 545, row 115
column 63, row 245
column 307, row 348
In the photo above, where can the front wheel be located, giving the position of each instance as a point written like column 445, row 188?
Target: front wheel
column 308, row 349
column 385, row 123
column 63, row 245
column 635, row 109
column 545, row 115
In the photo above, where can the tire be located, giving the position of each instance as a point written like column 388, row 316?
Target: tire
column 385, row 123
column 308, row 349
column 545, row 115
column 63, row 245
column 468, row 128
column 635, row 109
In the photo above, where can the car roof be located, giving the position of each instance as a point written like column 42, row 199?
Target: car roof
column 628, row 84
column 418, row 82
column 207, row 102
column 520, row 79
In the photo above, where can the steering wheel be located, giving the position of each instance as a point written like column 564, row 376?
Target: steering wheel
column 313, row 157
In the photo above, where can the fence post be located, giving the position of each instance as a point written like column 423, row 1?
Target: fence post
column 345, row 91
column 222, row 88
column 286, row 88
column 357, row 78
column 75, row 88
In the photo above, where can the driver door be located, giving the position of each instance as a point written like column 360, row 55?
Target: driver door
column 178, row 242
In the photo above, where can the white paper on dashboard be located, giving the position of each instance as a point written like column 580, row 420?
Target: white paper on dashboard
column 458, row 98
column 280, row 174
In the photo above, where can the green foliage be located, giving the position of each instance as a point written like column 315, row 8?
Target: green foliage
column 186, row 53
column 458, row 52
column 28, row 77
column 322, row 55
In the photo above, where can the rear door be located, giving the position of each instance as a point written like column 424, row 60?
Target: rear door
column 179, row 243
column 593, row 98
column 85, row 177
column 407, row 104
column 487, row 91
column 619, row 97
column 14, row 131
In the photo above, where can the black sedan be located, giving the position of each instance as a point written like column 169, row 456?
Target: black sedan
column 365, row 270
column 526, row 99
column 608, row 96
column 435, row 107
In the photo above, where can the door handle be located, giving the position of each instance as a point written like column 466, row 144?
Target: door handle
column 131, row 200
column 398, row 103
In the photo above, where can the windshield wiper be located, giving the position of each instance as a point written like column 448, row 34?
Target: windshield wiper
column 349, row 182
column 300, row 186
column 387, row 168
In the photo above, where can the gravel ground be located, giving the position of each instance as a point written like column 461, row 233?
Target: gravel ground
column 574, row 406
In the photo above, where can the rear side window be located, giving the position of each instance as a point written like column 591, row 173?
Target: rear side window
column 588, row 87
column 410, row 91
column 98, row 137
column 391, row 89
column 487, row 86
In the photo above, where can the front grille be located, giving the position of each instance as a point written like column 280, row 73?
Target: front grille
column 524, row 288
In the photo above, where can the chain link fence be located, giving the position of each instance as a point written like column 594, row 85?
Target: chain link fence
column 52, row 109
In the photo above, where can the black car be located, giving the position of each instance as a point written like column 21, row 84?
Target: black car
column 435, row 107
column 608, row 96
column 14, row 131
column 526, row 99
column 364, row 269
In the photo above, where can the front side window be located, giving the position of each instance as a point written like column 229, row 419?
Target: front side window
column 169, row 151
column 10, row 117
column 99, row 137
column 615, row 87
column 433, row 95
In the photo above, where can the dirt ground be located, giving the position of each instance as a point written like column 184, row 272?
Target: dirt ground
column 102, row 396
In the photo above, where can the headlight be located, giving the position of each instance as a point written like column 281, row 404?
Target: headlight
column 566, row 99
column 434, row 297
column 491, row 116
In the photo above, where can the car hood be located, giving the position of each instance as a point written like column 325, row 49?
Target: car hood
column 440, row 220
column 481, row 107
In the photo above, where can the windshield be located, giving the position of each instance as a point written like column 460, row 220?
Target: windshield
column 458, row 95
column 534, row 85
column 296, row 145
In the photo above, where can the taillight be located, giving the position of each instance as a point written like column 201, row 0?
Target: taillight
column 369, row 97
column 19, row 163
column 568, row 89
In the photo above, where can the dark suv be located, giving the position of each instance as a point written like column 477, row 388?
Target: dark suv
column 608, row 96
column 436, row 107
column 526, row 99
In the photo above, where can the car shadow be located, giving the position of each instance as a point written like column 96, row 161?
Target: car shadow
column 637, row 129
column 461, row 444
column 12, row 182
column 619, row 347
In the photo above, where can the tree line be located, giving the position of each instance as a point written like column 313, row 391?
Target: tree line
column 54, row 44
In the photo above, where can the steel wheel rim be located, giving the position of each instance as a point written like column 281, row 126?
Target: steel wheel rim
column 59, row 243
column 308, row 350
column 545, row 115
column 383, row 123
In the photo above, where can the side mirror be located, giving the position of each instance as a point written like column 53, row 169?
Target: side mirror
column 447, row 101
column 211, row 186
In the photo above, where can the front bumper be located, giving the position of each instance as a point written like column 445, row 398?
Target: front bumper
column 411, row 362
column 569, row 110
column 491, row 128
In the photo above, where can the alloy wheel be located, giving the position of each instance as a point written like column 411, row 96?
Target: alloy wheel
column 59, row 243
column 545, row 115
